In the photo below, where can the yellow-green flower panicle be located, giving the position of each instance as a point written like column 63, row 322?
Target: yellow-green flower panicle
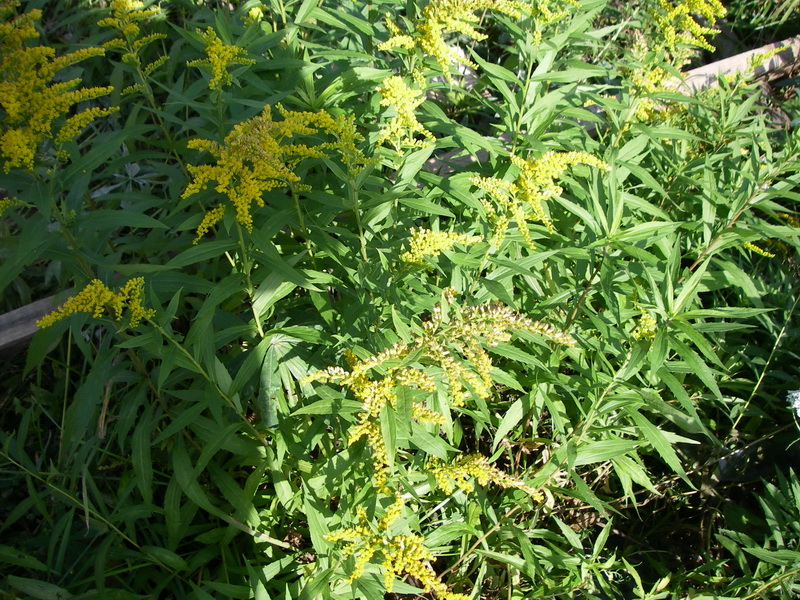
column 96, row 298
column 260, row 154
column 441, row 18
column 524, row 199
column 463, row 469
column 220, row 58
column 647, row 327
column 9, row 204
column 33, row 104
column 677, row 26
column 402, row 555
column 426, row 243
column 127, row 17
column 403, row 127
column 758, row 250
column 452, row 352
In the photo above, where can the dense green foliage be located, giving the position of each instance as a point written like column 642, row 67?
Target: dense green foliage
column 354, row 313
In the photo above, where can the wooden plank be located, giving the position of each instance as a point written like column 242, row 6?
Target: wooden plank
column 18, row 326
column 746, row 62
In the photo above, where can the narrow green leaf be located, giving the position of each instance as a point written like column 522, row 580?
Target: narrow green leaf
column 141, row 459
column 510, row 420
column 601, row 451
column 270, row 386
column 162, row 556
column 37, row 589
column 653, row 435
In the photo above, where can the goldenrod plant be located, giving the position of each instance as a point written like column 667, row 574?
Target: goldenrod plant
column 437, row 299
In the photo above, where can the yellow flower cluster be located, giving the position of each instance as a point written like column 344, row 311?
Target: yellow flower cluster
column 9, row 203
column 443, row 17
column 403, row 126
column 254, row 15
column 126, row 17
column 425, row 242
column 96, row 297
column 647, row 326
column 478, row 467
column 677, row 27
column 753, row 248
column 259, row 155
column 31, row 101
column 523, row 199
column 455, row 347
column 374, row 395
column 220, row 58
column 403, row 555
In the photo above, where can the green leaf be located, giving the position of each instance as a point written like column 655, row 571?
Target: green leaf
column 37, row 589
column 388, row 419
column 601, row 451
column 510, row 420
column 186, row 478
column 141, row 459
column 270, row 384
column 201, row 253
column 14, row 556
column 656, row 438
column 109, row 219
column 162, row 556
column 696, row 365
column 784, row 558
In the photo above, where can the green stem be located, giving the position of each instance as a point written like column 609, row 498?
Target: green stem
column 764, row 370
column 61, row 219
column 522, row 104
column 202, row 372
column 352, row 192
column 247, row 267
column 302, row 222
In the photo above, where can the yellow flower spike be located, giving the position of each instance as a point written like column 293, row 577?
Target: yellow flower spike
column 647, row 327
column 10, row 203
column 220, row 58
column 758, row 250
column 523, row 199
column 96, row 297
column 31, row 101
column 478, row 467
column 425, row 242
column 440, row 18
column 402, row 128
column 254, row 15
column 677, row 26
column 259, row 155
column 75, row 124
column 125, row 15
column 402, row 555
column 456, row 348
